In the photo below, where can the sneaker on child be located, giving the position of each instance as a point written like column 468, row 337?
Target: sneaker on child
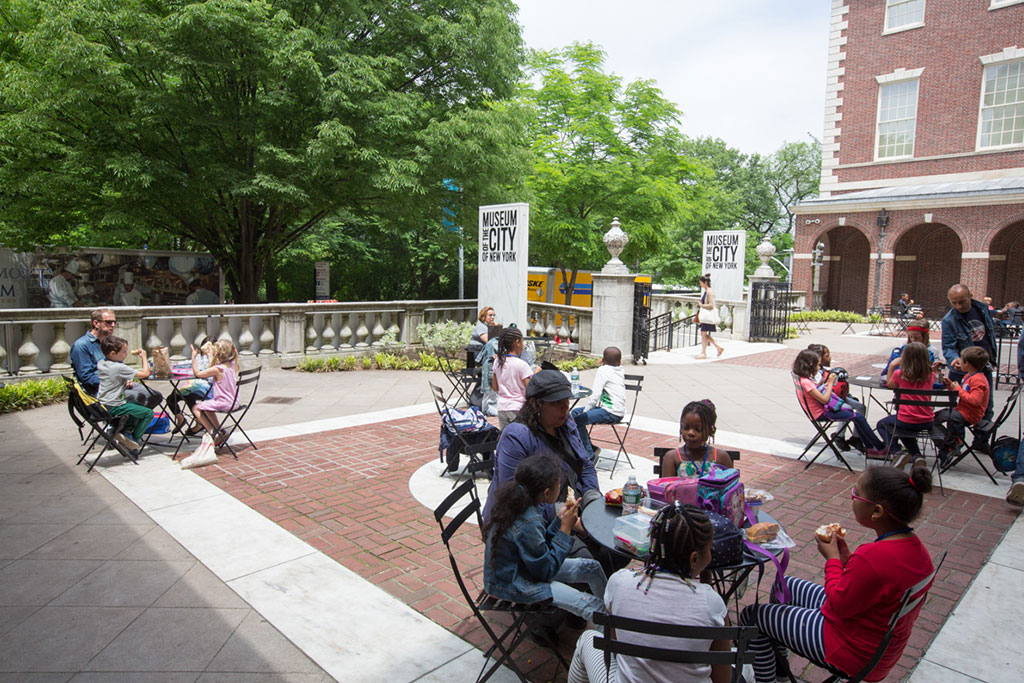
column 1015, row 496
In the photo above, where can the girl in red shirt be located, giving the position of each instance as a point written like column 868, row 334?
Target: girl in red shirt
column 842, row 623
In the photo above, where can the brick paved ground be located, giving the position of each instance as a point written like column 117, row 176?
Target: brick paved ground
column 855, row 363
column 346, row 493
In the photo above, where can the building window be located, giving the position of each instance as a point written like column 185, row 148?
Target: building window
column 1002, row 105
column 897, row 118
column 997, row 4
column 903, row 14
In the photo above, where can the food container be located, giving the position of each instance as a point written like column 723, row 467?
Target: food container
column 633, row 534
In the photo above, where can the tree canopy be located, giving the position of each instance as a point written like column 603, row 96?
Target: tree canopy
column 600, row 150
column 240, row 125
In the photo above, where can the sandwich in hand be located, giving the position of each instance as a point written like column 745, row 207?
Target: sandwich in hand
column 826, row 531
column 762, row 532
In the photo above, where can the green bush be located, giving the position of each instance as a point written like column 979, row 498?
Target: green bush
column 427, row 362
column 32, row 393
column 348, row 363
column 367, row 362
column 829, row 316
column 448, row 335
column 579, row 362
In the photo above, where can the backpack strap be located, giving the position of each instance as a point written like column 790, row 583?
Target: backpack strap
column 780, row 589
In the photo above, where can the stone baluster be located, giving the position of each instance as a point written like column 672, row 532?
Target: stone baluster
column 245, row 339
column 549, row 324
column 378, row 329
column 327, row 335
column 59, row 350
column 152, row 340
column 311, row 347
column 3, row 351
column 573, row 327
column 563, row 327
column 27, row 352
column 178, row 342
column 361, row 332
column 225, row 333
column 538, row 329
column 267, row 336
column 200, row 332
column 345, row 336
column 393, row 327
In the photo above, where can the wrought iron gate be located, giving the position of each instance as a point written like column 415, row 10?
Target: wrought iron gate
column 769, row 311
column 641, row 321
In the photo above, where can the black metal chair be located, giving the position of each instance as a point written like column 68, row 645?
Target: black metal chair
column 505, row 643
column 463, row 381
column 821, row 427
column 86, row 410
column 929, row 432
column 634, row 383
column 611, row 642
column 478, row 446
column 911, row 599
column 985, row 434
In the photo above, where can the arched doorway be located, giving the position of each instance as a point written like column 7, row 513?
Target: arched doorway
column 928, row 258
column 1006, row 265
column 845, row 263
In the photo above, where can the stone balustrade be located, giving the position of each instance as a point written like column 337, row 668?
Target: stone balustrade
column 567, row 322
column 38, row 341
column 732, row 313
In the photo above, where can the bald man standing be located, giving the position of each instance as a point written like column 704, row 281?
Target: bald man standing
column 968, row 323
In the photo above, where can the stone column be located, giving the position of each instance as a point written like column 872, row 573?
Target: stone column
column 291, row 337
column 613, row 299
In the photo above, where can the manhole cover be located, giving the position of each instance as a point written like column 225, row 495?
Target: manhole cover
column 279, row 399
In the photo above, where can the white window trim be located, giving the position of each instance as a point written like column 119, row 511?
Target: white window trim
column 896, row 76
column 907, row 27
column 1000, row 4
column 1009, row 54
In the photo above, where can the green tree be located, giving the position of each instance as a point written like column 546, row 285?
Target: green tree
column 794, row 174
column 238, row 126
column 600, row 150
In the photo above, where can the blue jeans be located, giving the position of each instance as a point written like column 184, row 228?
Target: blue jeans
column 889, row 424
column 860, row 426
column 594, row 416
column 579, row 570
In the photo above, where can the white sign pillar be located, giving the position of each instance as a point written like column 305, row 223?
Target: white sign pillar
column 725, row 256
column 502, row 261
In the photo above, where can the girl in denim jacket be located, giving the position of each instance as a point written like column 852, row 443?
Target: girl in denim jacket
column 525, row 560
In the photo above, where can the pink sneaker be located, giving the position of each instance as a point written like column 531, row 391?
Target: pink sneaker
column 878, row 453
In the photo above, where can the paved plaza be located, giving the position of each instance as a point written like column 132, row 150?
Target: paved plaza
column 316, row 557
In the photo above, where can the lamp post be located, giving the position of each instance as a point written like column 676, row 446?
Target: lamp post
column 882, row 221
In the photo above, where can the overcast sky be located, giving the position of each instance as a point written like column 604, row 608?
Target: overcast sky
column 751, row 72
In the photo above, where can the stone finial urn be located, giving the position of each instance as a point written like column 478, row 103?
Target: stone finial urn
column 615, row 240
column 765, row 250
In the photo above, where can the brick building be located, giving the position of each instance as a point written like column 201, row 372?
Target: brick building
column 924, row 121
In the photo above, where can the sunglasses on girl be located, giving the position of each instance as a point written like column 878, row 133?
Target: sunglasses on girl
column 854, row 496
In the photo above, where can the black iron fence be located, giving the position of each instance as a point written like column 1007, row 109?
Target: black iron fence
column 769, row 311
column 1007, row 372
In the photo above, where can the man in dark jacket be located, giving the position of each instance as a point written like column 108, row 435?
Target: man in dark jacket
column 968, row 323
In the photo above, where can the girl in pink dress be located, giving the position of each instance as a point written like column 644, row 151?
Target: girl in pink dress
column 223, row 371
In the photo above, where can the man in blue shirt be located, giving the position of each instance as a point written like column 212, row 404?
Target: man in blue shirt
column 85, row 354
column 968, row 323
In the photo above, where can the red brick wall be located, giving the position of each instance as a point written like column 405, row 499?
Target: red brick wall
column 938, row 247
column 955, row 34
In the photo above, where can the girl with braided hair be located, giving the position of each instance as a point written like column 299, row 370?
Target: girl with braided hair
column 693, row 456
column 525, row 559
column 511, row 375
column 666, row 590
column 842, row 622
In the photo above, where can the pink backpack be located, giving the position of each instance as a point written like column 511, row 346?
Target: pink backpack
column 672, row 489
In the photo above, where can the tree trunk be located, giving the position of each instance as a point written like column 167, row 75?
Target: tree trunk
column 270, row 281
column 570, row 284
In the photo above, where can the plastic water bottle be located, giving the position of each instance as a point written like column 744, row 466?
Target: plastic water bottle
column 574, row 380
column 631, row 495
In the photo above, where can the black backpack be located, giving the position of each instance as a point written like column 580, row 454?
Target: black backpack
column 727, row 543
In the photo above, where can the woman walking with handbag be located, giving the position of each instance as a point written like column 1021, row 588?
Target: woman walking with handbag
column 707, row 316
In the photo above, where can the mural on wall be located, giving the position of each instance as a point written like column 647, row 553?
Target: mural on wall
column 108, row 277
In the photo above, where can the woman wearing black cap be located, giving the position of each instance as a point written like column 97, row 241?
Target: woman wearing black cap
column 544, row 428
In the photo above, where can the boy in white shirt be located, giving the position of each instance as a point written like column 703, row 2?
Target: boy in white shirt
column 607, row 405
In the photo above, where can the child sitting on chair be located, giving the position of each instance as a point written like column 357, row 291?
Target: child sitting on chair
column 666, row 590
column 694, row 455
column 607, row 405
column 114, row 377
column 973, row 393
column 912, row 370
column 223, row 370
